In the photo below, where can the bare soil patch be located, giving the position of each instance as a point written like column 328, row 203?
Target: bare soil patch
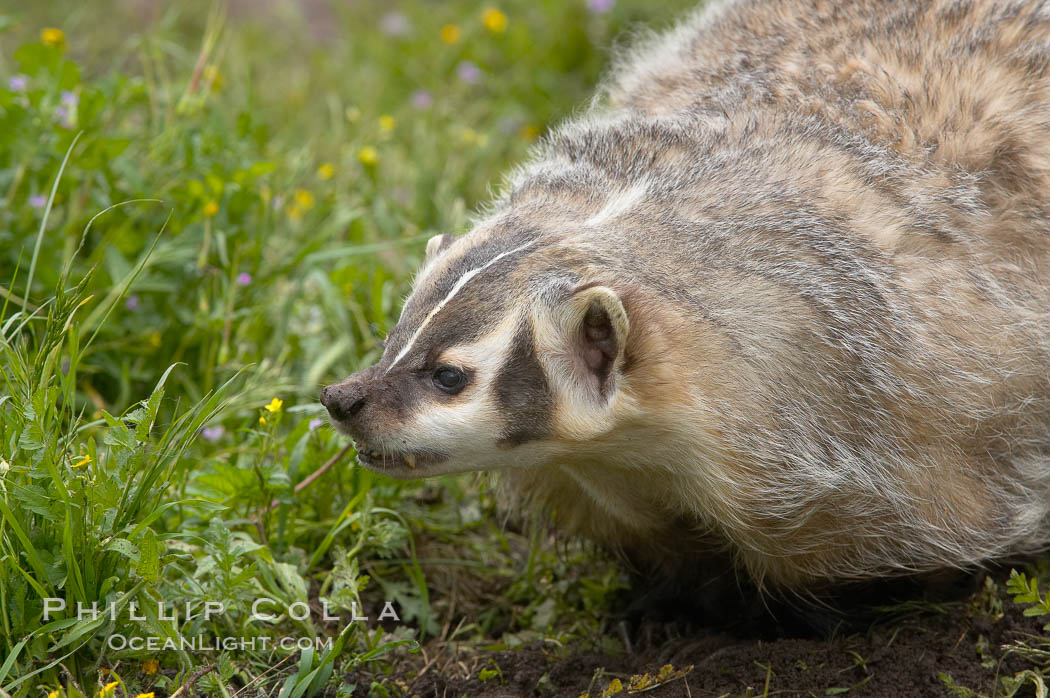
column 905, row 652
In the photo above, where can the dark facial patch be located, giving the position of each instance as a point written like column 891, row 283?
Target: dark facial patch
column 523, row 393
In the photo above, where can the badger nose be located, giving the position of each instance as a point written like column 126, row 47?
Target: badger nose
column 343, row 400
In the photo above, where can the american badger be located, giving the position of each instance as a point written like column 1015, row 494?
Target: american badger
column 782, row 291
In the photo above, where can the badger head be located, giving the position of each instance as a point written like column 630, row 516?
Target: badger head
column 505, row 355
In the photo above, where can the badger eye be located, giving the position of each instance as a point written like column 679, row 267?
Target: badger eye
column 451, row 380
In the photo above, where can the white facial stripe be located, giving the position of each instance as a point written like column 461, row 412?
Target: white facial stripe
column 619, row 203
column 451, row 294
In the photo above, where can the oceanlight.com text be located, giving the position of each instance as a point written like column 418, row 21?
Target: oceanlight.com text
column 154, row 643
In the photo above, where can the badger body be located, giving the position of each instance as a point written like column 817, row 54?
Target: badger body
column 782, row 291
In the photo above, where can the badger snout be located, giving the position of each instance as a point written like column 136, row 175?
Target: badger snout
column 365, row 408
column 345, row 400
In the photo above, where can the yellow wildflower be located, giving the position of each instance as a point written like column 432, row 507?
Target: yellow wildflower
column 303, row 199
column 214, row 78
column 494, row 20
column 150, row 666
column 450, row 34
column 55, row 694
column 52, row 36
column 326, row 171
column 387, row 123
column 107, row 690
column 262, row 420
column 84, row 460
column 368, row 156
column 274, row 406
column 145, row 695
column 211, row 208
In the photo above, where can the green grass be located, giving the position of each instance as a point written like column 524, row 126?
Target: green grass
column 201, row 211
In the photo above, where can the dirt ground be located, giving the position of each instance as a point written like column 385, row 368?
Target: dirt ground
column 909, row 651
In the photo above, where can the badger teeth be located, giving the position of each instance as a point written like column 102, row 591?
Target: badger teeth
column 411, row 460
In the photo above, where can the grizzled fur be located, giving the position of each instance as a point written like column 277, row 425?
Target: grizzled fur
column 783, row 291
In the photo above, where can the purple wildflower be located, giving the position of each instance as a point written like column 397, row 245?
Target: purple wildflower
column 599, row 7
column 244, row 278
column 132, row 303
column 70, row 99
column 315, row 422
column 468, row 72
column 213, row 434
column 422, row 99
column 18, row 83
column 64, row 117
column 395, row 24
column 38, row 201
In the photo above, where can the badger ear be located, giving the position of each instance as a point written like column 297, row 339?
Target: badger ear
column 436, row 245
column 596, row 327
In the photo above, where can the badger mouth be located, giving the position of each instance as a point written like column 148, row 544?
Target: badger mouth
column 384, row 460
